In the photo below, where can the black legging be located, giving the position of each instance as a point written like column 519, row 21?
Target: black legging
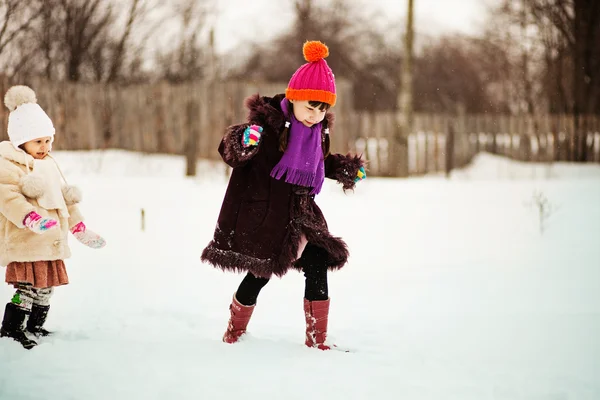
column 315, row 273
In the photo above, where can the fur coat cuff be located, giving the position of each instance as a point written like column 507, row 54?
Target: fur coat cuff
column 348, row 171
column 233, row 152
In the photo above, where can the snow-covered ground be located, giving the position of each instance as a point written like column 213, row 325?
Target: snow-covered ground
column 451, row 292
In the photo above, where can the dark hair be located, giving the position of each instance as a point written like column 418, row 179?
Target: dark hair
column 320, row 105
column 283, row 138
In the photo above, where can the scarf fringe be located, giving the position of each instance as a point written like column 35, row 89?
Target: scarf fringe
column 293, row 175
column 317, row 188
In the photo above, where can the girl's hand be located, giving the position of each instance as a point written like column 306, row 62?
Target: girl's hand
column 360, row 175
column 252, row 135
column 35, row 223
column 88, row 237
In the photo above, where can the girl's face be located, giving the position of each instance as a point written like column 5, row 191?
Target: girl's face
column 306, row 113
column 38, row 148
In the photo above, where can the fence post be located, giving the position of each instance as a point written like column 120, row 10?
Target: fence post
column 449, row 165
column 191, row 150
column 160, row 129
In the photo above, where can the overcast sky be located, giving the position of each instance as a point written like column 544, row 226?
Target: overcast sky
column 242, row 20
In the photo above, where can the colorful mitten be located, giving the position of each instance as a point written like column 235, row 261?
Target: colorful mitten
column 34, row 222
column 251, row 135
column 87, row 237
column 360, row 175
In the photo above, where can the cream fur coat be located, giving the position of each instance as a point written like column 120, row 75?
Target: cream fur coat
column 19, row 195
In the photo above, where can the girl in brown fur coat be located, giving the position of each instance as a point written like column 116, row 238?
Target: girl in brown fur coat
column 37, row 210
column 269, row 221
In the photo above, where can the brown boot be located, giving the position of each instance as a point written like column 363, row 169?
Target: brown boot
column 238, row 321
column 317, row 313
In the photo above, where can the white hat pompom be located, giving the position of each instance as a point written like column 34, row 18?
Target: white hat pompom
column 17, row 95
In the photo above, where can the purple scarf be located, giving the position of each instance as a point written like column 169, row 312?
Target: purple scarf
column 302, row 162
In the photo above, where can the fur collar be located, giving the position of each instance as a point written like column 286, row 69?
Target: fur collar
column 11, row 153
column 266, row 111
column 31, row 185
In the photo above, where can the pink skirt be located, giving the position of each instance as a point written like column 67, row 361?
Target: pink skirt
column 40, row 274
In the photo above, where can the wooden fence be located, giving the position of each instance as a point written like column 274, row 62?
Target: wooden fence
column 438, row 143
column 163, row 118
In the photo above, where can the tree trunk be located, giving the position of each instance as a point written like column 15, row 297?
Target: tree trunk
column 585, row 71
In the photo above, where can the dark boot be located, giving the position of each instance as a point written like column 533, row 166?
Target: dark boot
column 36, row 320
column 238, row 320
column 317, row 314
column 12, row 325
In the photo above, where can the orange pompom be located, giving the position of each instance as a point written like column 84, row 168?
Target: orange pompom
column 314, row 51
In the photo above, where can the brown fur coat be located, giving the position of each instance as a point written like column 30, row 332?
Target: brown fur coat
column 262, row 218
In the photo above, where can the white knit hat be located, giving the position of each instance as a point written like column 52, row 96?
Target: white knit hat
column 26, row 121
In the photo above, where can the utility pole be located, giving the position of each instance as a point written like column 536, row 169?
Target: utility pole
column 404, row 113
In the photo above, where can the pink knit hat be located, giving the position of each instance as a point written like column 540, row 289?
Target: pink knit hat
column 314, row 81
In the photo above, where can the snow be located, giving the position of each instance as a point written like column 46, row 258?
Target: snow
column 451, row 292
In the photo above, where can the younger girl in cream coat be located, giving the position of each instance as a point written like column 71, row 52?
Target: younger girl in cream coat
column 37, row 210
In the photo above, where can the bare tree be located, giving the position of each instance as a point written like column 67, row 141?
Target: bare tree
column 578, row 23
column 65, row 35
column 80, row 40
column 187, row 59
column 358, row 51
column 46, row 37
column 517, row 58
column 85, row 21
column 568, row 32
column 456, row 71
column 16, row 19
column 557, row 62
column 136, row 11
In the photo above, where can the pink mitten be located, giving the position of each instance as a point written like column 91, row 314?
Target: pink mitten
column 35, row 223
column 87, row 237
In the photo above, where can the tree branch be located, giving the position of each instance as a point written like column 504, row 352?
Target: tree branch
column 118, row 56
column 10, row 11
